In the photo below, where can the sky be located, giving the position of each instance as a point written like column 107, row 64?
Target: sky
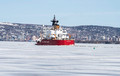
column 68, row 12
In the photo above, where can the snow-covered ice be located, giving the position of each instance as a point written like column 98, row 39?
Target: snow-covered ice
column 28, row 59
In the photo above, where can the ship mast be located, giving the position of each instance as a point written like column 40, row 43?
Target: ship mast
column 55, row 23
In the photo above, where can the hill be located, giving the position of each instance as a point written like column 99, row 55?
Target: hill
column 82, row 33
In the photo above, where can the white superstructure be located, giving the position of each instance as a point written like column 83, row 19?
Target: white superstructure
column 54, row 33
column 58, row 34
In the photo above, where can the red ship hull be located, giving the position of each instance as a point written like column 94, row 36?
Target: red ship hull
column 56, row 42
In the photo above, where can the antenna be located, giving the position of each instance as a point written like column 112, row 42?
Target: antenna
column 54, row 21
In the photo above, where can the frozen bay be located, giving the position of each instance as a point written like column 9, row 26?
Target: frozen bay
column 28, row 59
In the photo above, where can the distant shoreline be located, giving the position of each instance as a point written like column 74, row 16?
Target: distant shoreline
column 92, row 42
column 99, row 42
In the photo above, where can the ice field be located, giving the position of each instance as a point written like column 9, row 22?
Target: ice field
column 27, row 59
